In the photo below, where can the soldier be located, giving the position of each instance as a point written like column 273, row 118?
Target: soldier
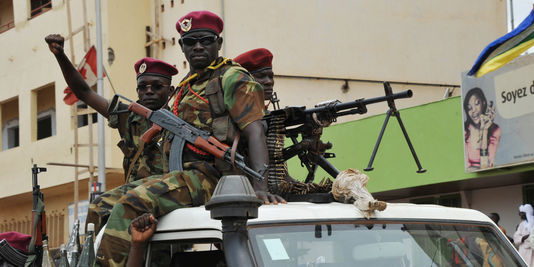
column 259, row 62
column 140, row 159
column 153, row 89
column 218, row 96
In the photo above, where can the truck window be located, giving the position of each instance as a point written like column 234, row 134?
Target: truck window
column 381, row 244
column 186, row 253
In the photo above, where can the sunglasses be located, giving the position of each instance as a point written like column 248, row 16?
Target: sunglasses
column 204, row 40
column 155, row 87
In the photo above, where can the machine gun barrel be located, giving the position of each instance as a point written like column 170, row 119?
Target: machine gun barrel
column 359, row 103
column 309, row 123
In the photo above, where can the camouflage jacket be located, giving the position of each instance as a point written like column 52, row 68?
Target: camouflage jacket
column 131, row 127
column 243, row 98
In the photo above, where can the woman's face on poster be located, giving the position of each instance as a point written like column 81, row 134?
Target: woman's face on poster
column 474, row 108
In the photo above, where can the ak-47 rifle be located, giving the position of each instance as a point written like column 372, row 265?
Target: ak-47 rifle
column 309, row 124
column 183, row 132
column 35, row 249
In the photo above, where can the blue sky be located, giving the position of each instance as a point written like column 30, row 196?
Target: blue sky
column 521, row 9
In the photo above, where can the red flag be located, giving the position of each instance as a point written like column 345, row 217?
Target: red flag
column 87, row 69
column 70, row 98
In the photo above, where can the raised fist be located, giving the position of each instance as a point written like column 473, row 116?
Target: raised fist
column 143, row 227
column 55, row 43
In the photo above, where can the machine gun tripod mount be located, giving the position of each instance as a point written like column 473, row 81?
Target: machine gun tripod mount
column 393, row 111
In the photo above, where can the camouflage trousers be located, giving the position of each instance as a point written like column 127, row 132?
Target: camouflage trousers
column 100, row 208
column 158, row 195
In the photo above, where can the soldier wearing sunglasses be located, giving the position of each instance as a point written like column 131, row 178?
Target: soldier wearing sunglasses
column 217, row 95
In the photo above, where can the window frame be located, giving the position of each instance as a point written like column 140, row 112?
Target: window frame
column 5, row 128
column 40, row 9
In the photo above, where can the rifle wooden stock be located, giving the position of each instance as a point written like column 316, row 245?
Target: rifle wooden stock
column 150, row 133
column 139, row 109
column 145, row 112
column 212, row 146
column 40, row 231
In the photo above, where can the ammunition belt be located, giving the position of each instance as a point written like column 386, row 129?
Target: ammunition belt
column 300, row 188
column 277, row 168
column 275, row 145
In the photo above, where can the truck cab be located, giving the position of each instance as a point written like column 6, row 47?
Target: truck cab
column 333, row 234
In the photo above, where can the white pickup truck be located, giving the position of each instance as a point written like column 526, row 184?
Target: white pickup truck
column 328, row 234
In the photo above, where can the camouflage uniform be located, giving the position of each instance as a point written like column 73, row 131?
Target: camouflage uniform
column 131, row 127
column 243, row 98
column 150, row 162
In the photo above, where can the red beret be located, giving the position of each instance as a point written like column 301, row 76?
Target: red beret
column 17, row 240
column 152, row 66
column 255, row 60
column 199, row 20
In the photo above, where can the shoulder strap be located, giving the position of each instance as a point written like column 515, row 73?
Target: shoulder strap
column 134, row 160
column 222, row 125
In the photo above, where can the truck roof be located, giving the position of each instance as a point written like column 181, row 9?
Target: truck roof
column 196, row 218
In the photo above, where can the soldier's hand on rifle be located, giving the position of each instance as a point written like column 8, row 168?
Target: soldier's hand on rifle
column 143, row 227
column 55, row 43
column 269, row 198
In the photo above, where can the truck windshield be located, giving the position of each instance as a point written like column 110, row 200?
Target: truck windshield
column 381, row 244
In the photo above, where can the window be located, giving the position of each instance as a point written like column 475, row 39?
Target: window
column 367, row 243
column 84, row 119
column 45, row 109
column 6, row 15
column 39, row 6
column 424, row 200
column 46, row 124
column 10, row 124
column 452, row 200
column 528, row 194
column 10, row 134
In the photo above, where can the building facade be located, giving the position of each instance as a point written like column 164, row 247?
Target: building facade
column 322, row 50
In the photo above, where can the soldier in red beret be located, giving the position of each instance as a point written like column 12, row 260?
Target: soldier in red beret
column 153, row 88
column 140, row 160
column 259, row 62
column 218, row 96
column 200, row 42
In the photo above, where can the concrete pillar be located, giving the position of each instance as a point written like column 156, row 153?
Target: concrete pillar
column 21, row 12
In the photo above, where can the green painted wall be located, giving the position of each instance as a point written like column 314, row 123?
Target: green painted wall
column 435, row 130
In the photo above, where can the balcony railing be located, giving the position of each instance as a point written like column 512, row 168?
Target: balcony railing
column 55, row 227
column 41, row 9
column 7, row 26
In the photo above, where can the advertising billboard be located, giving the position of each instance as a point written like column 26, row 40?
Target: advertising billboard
column 498, row 116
